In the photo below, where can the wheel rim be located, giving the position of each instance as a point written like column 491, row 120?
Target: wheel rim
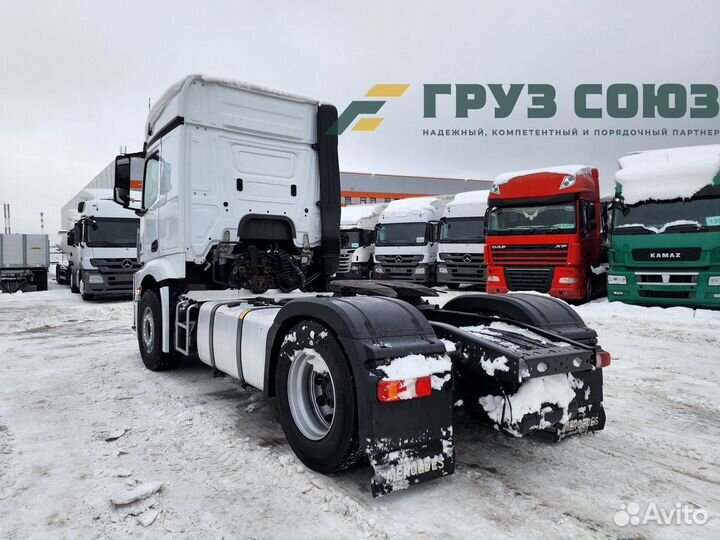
column 82, row 286
column 148, row 330
column 311, row 394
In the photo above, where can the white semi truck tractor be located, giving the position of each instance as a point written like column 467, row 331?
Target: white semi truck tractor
column 100, row 246
column 239, row 236
column 461, row 242
column 357, row 240
column 406, row 239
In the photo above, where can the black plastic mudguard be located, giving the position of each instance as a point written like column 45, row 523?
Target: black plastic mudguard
column 541, row 311
column 408, row 441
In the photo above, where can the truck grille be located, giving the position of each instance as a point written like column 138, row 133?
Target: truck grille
column 345, row 258
column 398, row 260
column 116, row 266
column 529, row 279
column 554, row 254
column 667, row 294
column 666, row 278
column 468, row 266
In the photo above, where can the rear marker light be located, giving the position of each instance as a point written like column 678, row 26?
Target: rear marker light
column 388, row 390
column 602, row 359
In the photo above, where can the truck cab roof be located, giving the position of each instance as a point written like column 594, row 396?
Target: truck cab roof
column 467, row 204
column 668, row 173
column 213, row 101
column 547, row 182
column 360, row 216
column 414, row 209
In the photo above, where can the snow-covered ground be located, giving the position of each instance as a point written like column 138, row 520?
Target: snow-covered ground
column 71, row 377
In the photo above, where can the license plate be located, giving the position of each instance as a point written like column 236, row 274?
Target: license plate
column 577, row 426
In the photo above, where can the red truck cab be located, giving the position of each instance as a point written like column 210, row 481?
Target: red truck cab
column 545, row 232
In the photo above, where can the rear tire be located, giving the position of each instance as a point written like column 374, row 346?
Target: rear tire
column 149, row 334
column 316, row 397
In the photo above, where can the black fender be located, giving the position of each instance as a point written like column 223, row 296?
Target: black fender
column 373, row 330
column 540, row 311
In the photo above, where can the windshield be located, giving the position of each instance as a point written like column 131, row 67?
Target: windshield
column 462, row 230
column 694, row 215
column 546, row 219
column 402, row 234
column 354, row 238
column 112, row 232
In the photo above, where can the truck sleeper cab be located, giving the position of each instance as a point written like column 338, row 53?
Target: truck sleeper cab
column 546, row 232
column 461, row 248
column 665, row 247
column 406, row 239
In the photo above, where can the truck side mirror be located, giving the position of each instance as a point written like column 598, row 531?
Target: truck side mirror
column 121, row 190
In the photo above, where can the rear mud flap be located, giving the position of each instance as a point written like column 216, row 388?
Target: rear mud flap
column 583, row 414
column 399, row 469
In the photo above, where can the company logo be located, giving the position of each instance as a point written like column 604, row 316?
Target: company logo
column 399, row 259
column 665, row 255
column 367, row 107
column 679, row 514
column 127, row 263
column 467, row 258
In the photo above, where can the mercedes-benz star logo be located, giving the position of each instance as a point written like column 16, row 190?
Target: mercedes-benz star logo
column 467, row 258
column 399, row 259
column 127, row 263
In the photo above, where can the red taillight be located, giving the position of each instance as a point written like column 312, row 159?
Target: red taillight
column 404, row 389
column 602, row 359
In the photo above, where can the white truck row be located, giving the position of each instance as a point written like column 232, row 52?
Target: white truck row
column 426, row 240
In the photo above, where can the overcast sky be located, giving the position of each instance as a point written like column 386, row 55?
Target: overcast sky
column 75, row 77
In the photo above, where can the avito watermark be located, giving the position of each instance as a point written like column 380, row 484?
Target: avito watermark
column 632, row 514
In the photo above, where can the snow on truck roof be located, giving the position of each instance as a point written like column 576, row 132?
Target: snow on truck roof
column 169, row 94
column 567, row 170
column 668, row 173
column 471, row 197
column 349, row 215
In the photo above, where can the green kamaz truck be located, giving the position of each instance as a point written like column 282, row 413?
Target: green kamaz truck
column 665, row 244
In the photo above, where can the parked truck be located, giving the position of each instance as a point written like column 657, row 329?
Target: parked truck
column 546, row 232
column 357, row 240
column 461, row 246
column 101, row 245
column 361, row 369
column 24, row 262
column 406, row 243
column 666, row 228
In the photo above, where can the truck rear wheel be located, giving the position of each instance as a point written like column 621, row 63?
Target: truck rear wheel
column 316, row 397
column 149, row 333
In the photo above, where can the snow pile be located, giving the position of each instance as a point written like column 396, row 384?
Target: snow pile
column 413, row 366
column 672, row 173
column 531, row 397
column 567, row 170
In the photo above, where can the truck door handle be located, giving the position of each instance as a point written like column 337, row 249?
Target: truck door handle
column 154, row 246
